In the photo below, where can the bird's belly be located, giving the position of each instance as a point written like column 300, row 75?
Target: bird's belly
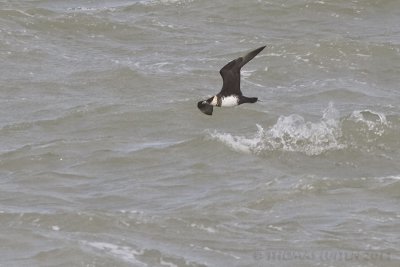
column 229, row 101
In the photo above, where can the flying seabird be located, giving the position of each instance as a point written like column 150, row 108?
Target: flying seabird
column 230, row 94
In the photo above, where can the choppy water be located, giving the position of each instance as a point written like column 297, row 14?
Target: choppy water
column 106, row 161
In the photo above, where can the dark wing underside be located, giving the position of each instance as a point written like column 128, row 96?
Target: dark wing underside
column 231, row 73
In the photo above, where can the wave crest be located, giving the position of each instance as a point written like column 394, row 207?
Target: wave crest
column 294, row 133
column 291, row 133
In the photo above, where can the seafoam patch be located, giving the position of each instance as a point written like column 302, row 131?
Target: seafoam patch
column 204, row 228
column 370, row 121
column 165, row 2
column 124, row 253
column 290, row 133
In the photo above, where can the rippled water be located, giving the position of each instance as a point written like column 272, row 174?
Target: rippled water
column 105, row 159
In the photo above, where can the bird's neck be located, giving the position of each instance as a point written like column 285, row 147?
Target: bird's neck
column 215, row 100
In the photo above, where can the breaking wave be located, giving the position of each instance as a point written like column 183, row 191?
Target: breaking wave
column 294, row 133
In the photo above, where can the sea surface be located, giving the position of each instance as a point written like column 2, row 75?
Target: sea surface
column 105, row 159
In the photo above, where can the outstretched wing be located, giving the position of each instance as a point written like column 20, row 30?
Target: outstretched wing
column 231, row 73
column 231, row 78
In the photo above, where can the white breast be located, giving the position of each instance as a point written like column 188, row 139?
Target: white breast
column 229, row 101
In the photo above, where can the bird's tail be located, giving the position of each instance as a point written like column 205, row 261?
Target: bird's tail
column 245, row 99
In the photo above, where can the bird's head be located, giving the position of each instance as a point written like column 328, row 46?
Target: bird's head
column 205, row 106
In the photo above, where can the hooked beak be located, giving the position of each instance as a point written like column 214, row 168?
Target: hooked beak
column 205, row 107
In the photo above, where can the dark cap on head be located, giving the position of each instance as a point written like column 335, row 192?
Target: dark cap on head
column 205, row 107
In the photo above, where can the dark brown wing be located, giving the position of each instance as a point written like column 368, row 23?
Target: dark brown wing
column 231, row 73
column 231, row 78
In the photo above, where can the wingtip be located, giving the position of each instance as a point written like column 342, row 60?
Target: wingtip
column 258, row 50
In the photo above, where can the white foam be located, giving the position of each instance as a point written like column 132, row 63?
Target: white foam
column 375, row 122
column 204, row 228
column 291, row 133
column 165, row 2
column 246, row 73
column 24, row 13
column 237, row 143
column 278, row 228
column 156, row 145
column 391, row 177
column 167, row 263
column 122, row 252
